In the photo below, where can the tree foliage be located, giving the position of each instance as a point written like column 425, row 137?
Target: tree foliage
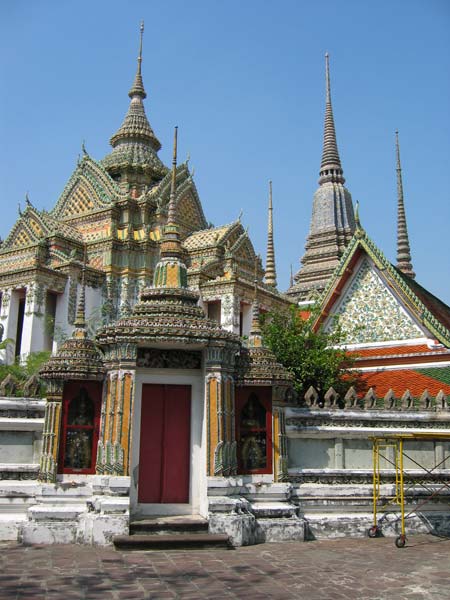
column 314, row 358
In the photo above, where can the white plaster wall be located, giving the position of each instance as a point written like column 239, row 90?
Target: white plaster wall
column 62, row 326
column 17, row 447
column 246, row 310
column 356, row 453
column 308, row 453
column 198, row 488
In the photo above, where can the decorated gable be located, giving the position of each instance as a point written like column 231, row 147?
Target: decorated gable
column 89, row 188
column 368, row 311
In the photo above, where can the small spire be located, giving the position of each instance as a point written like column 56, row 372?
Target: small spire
column 80, row 321
column 137, row 89
column 271, row 274
column 171, row 271
column 291, row 280
column 404, row 263
column 255, row 336
column 171, row 218
column 330, row 167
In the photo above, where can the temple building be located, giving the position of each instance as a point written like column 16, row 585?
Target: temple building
column 161, row 399
column 114, row 210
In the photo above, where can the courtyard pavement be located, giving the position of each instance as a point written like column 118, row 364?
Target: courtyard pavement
column 344, row 568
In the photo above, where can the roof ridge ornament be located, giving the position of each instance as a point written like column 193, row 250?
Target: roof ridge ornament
column 404, row 263
column 271, row 274
column 330, row 166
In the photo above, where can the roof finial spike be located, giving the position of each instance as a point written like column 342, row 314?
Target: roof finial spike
column 327, row 77
column 291, row 280
column 137, row 89
column 171, row 218
column 271, row 274
column 140, row 46
column 27, row 199
column 404, row 263
column 357, row 221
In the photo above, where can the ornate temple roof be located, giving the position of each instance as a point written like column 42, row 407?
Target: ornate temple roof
column 409, row 310
column 168, row 311
column 33, row 225
column 135, row 144
column 212, row 237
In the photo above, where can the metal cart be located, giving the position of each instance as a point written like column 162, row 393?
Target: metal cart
column 380, row 448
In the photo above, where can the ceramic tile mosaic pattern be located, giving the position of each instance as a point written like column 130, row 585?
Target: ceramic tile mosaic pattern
column 369, row 312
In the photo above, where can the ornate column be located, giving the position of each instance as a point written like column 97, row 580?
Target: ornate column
column 51, row 434
column 33, row 336
column 115, row 425
column 113, row 450
column 230, row 311
column 280, row 455
column 220, row 409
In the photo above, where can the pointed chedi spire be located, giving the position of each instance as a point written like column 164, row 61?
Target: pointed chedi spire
column 171, row 271
column 333, row 220
column 330, row 166
column 271, row 274
column 135, row 145
column 403, row 248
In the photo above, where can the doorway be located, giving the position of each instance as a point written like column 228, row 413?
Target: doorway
column 165, row 444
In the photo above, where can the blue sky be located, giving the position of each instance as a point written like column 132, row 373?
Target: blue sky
column 244, row 81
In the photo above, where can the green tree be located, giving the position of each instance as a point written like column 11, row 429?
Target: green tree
column 313, row 357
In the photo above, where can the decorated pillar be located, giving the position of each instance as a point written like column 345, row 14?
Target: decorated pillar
column 280, row 455
column 220, row 408
column 33, row 336
column 113, row 450
column 230, row 313
column 51, row 433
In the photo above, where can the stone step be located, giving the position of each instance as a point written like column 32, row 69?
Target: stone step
column 174, row 541
column 162, row 526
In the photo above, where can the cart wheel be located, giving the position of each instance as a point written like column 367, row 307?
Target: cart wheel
column 400, row 541
column 373, row 531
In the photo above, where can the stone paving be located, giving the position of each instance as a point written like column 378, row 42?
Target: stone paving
column 344, row 568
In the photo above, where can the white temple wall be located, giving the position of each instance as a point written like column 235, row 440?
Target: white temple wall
column 355, row 453
column 62, row 327
column 33, row 334
column 246, row 318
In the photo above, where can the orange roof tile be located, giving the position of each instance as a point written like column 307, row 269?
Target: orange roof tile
column 402, row 380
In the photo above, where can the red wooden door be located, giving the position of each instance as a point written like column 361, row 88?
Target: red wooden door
column 165, row 445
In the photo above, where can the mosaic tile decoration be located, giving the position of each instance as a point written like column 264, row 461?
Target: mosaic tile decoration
column 369, row 312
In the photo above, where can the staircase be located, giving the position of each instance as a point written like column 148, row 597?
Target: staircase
column 170, row 533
